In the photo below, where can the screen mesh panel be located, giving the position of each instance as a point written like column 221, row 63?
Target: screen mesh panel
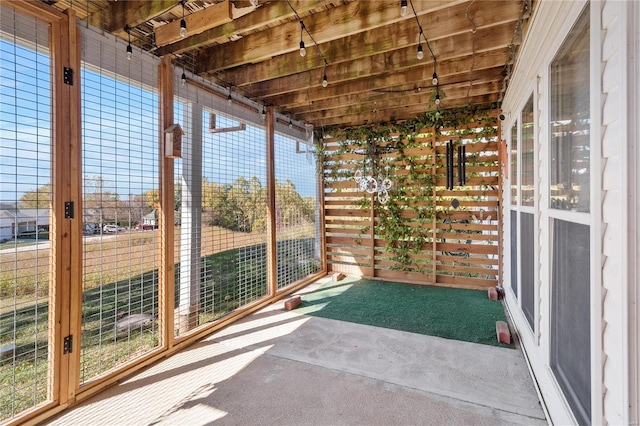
column 221, row 238
column 298, row 253
column 120, row 196
column 25, row 200
column 570, row 306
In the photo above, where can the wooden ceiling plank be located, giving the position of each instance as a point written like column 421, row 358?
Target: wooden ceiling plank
column 372, row 33
column 197, row 22
column 404, row 114
column 301, row 98
column 397, row 60
column 455, row 51
column 374, row 100
column 422, row 98
column 264, row 16
column 133, row 12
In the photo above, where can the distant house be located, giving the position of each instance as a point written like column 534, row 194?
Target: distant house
column 15, row 221
column 150, row 219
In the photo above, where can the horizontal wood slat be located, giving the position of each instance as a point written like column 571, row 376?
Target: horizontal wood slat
column 465, row 238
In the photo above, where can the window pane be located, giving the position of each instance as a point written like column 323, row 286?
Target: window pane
column 514, row 163
column 570, row 121
column 570, row 303
column 527, row 191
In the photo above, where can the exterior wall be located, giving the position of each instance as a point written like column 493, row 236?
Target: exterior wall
column 633, row 207
column 614, row 208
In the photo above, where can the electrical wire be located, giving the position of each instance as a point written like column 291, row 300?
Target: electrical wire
column 473, row 50
column 304, row 27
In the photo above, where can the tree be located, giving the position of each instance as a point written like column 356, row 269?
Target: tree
column 100, row 205
column 38, row 199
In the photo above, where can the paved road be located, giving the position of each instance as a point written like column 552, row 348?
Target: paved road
column 45, row 244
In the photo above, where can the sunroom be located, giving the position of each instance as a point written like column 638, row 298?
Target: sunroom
column 199, row 161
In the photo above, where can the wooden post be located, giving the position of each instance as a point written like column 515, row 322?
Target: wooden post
column 499, row 206
column 372, row 234
column 59, row 287
column 74, row 172
column 65, row 296
column 434, row 194
column 166, row 275
column 272, row 267
column 322, row 216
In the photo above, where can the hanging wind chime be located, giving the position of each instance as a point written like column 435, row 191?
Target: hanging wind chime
column 380, row 185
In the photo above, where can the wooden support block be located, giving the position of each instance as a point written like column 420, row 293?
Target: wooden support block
column 502, row 332
column 337, row 276
column 292, row 303
column 492, row 293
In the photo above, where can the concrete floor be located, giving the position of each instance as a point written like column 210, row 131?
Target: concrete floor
column 282, row 368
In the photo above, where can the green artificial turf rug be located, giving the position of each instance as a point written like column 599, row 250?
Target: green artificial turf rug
column 467, row 315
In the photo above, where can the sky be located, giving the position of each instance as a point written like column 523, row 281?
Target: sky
column 119, row 134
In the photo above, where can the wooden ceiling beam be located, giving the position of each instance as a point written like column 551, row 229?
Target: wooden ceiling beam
column 453, row 53
column 370, row 97
column 425, row 99
column 389, row 81
column 196, row 23
column 374, row 100
column 371, row 33
column 133, row 12
column 267, row 15
column 400, row 115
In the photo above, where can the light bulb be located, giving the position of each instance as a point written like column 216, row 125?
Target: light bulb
column 290, row 124
column 129, row 52
column 264, row 113
column 435, row 79
column 437, row 99
column 229, row 99
column 403, row 8
column 183, row 28
column 325, row 82
column 184, row 80
column 420, row 54
column 303, row 51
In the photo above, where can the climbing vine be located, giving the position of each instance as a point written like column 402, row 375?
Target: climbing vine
column 404, row 152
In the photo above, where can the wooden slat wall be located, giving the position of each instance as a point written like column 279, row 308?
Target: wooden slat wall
column 458, row 246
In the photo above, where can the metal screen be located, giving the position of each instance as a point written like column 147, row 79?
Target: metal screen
column 120, row 195
column 25, row 200
column 298, row 253
column 221, row 212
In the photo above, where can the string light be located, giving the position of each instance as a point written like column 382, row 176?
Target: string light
column 183, row 78
column 290, row 124
column 420, row 54
column 183, row 23
column 403, row 8
column 438, row 96
column 127, row 29
column 229, row 98
column 264, row 113
column 303, row 51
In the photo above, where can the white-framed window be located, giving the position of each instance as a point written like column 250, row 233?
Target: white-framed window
column 569, row 219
